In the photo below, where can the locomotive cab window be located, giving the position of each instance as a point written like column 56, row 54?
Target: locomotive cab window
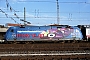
column 11, row 30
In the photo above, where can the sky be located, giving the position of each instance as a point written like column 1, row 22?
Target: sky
column 44, row 12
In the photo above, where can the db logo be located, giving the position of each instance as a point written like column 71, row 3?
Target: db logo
column 13, row 35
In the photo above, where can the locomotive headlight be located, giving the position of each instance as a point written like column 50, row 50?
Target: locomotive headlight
column 51, row 35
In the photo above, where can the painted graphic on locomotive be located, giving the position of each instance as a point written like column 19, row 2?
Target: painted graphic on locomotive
column 43, row 33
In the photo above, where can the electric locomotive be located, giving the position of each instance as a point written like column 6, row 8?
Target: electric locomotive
column 43, row 33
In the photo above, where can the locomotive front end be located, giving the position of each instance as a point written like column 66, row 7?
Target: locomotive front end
column 11, row 34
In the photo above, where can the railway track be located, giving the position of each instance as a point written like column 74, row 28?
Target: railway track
column 30, row 53
column 49, row 57
column 45, row 47
column 45, row 51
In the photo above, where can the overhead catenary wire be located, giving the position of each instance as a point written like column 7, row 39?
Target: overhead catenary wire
column 11, row 9
column 7, row 16
column 48, row 12
column 51, row 12
column 70, row 15
column 54, row 2
column 48, row 17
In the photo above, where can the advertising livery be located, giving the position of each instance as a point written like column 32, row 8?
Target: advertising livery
column 39, row 33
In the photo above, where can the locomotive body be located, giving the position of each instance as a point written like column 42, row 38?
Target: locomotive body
column 40, row 33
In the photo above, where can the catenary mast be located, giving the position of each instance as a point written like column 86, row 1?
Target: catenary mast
column 58, row 19
column 24, row 16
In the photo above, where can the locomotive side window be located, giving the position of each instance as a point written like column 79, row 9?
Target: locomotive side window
column 59, row 27
column 12, row 30
column 39, row 27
